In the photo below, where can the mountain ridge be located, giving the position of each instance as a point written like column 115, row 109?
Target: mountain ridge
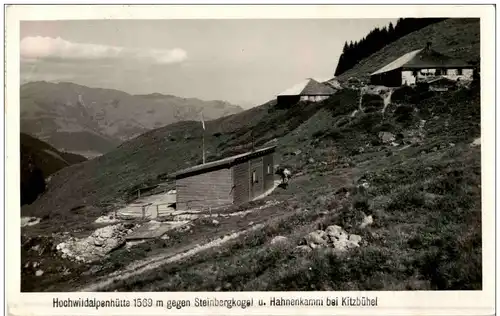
column 99, row 118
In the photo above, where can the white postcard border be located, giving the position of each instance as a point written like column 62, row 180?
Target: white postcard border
column 390, row 303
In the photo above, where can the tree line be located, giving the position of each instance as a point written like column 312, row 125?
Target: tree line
column 353, row 53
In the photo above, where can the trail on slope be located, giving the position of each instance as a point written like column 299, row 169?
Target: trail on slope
column 152, row 263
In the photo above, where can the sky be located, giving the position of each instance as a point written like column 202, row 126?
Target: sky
column 245, row 62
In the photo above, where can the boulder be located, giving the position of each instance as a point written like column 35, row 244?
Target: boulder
column 344, row 244
column 368, row 220
column 303, row 249
column 476, row 142
column 316, row 238
column 336, row 232
column 107, row 232
column 386, row 137
column 39, row 273
column 279, row 240
column 98, row 242
column 355, row 238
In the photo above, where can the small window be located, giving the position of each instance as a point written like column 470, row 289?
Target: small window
column 268, row 169
column 460, row 71
column 254, row 177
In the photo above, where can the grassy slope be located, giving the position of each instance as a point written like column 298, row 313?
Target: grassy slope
column 425, row 201
column 458, row 38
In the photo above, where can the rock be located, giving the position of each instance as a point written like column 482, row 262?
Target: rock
column 215, row 222
column 106, row 233
column 343, row 245
column 250, row 224
column 98, row 242
column 476, row 142
column 303, row 249
column 452, row 145
column 317, row 237
column 39, row 273
column 394, row 144
column 386, row 137
column 336, row 232
column 278, row 240
column 355, row 238
column 311, row 160
column 368, row 220
column 297, row 152
column 351, row 244
column 128, row 225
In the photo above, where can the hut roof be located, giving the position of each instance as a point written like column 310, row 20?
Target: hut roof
column 223, row 162
column 309, row 87
column 422, row 58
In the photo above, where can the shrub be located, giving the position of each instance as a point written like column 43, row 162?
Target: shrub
column 318, row 134
column 402, row 94
column 404, row 114
column 372, row 103
column 385, row 126
column 366, row 122
column 343, row 102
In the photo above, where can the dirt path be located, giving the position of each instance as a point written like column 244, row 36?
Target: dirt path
column 157, row 261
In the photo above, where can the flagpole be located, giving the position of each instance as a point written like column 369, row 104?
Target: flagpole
column 203, row 138
column 203, row 146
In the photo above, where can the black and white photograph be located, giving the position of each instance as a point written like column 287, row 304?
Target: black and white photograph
column 243, row 155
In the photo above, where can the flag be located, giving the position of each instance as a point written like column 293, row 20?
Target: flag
column 202, row 121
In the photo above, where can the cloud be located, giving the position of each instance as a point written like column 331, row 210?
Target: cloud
column 48, row 48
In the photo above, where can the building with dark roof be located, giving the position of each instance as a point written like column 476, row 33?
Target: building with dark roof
column 232, row 180
column 308, row 90
column 418, row 65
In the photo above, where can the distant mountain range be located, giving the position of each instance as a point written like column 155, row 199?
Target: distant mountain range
column 93, row 121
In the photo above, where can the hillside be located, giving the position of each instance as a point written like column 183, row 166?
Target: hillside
column 422, row 193
column 404, row 180
column 140, row 162
column 377, row 38
column 80, row 119
column 39, row 160
column 458, row 38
